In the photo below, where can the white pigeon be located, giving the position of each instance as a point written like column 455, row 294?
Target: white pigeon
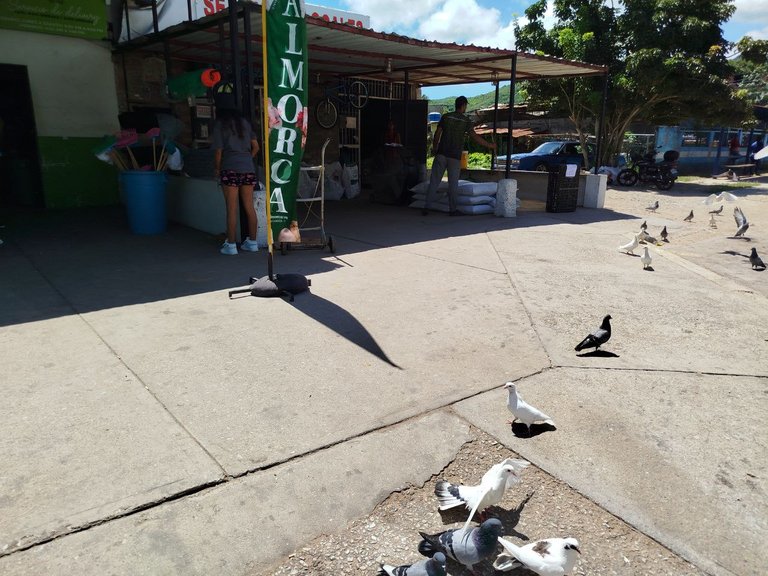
column 523, row 411
column 741, row 222
column 646, row 258
column 653, row 207
column 488, row 493
column 712, row 221
column 630, row 246
column 549, row 557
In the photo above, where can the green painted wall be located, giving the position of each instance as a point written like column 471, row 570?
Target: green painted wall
column 73, row 176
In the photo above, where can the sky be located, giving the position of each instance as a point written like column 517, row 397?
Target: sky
column 490, row 23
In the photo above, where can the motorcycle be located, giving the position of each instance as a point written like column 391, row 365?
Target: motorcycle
column 645, row 169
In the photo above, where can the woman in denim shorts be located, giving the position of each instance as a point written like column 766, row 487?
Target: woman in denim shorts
column 235, row 146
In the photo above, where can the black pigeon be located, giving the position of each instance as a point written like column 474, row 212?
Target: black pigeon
column 643, row 226
column 434, row 566
column 598, row 337
column 718, row 211
column 466, row 546
column 689, row 217
column 755, row 260
column 664, row 234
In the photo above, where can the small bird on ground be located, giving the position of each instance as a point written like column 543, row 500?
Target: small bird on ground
column 653, row 207
column 465, row 546
column 630, row 246
column 523, row 411
column 719, row 210
column 488, row 493
column 434, row 566
column 549, row 557
column 689, row 217
column 664, row 234
column 646, row 259
column 741, row 222
column 643, row 226
column 712, row 221
column 755, row 260
column 645, row 237
column 598, row 337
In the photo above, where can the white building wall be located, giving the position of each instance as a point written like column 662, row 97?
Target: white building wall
column 72, row 82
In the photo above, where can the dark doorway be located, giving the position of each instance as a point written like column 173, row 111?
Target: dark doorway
column 20, row 178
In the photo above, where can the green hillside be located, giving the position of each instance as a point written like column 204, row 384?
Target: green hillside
column 481, row 100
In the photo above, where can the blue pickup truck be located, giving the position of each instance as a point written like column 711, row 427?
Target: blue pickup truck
column 547, row 155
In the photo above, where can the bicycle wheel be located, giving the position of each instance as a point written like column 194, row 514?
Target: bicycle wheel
column 326, row 113
column 358, row 94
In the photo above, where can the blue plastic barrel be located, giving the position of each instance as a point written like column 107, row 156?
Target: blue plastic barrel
column 144, row 197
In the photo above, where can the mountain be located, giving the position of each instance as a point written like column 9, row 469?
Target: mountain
column 481, row 100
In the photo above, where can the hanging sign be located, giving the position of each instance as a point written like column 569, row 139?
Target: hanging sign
column 81, row 18
column 285, row 107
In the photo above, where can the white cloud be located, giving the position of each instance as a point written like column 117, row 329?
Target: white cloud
column 753, row 12
column 389, row 15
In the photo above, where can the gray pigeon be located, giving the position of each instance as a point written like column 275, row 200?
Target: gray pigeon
column 718, row 211
column 467, row 546
column 741, row 222
column 645, row 237
column 664, row 234
column 755, row 260
column 598, row 337
column 689, row 217
column 434, row 566
column 643, row 226
column 653, row 207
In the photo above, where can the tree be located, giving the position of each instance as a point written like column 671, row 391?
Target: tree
column 666, row 59
column 752, row 65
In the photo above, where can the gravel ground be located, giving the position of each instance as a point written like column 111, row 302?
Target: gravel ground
column 539, row 507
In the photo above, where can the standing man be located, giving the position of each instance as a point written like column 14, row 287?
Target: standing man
column 448, row 145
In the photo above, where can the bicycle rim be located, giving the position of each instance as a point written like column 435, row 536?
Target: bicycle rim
column 326, row 113
column 358, row 94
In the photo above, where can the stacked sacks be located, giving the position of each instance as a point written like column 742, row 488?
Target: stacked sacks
column 473, row 197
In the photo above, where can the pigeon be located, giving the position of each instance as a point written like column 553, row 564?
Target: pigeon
column 434, row 566
column 549, row 557
column 489, row 492
column 598, row 337
column 645, row 237
column 719, row 210
column 465, row 546
column 755, row 260
column 712, row 221
column 629, row 247
column 741, row 222
column 646, row 259
column 689, row 217
column 643, row 226
column 523, row 411
column 653, row 207
column 664, row 234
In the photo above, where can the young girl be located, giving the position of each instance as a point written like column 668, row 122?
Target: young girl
column 235, row 145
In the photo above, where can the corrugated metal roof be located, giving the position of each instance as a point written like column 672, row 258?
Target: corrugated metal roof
column 342, row 50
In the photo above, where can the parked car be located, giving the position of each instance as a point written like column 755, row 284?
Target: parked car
column 547, row 155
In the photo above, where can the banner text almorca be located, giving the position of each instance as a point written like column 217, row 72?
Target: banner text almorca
column 285, row 106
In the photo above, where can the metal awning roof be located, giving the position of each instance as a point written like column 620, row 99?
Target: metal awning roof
column 337, row 49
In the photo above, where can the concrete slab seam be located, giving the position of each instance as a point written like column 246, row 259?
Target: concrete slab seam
column 668, row 370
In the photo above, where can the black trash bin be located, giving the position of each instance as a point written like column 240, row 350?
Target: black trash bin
column 562, row 191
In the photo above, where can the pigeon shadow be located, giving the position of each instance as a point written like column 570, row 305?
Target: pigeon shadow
column 633, row 255
column 511, row 518
column 598, row 354
column 734, row 253
column 747, row 238
column 520, row 430
column 649, row 269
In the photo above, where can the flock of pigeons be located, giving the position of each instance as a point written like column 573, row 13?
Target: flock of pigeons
column 742, row 225
column 471, row 545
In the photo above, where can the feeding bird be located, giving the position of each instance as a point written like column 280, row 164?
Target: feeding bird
column 653, row 207
column 689, row 217
column 523, row 411
column 465, row 546
column 741, row 222
column 598, row 337
column 630, row 246
column 664, row 234
column 645, row 237
column 643, row 226
column 549, row 557
column 755, row 260
column 434, row 566
column 719, row 210
column 712, row 221
column 646, row 259
column 489, row 492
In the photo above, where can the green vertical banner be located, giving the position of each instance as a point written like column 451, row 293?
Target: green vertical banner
column 285, row 108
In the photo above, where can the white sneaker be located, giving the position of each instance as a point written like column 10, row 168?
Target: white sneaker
column 229, row 248
column 249, row 245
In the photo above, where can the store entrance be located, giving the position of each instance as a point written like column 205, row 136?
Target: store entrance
column 20, row 179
